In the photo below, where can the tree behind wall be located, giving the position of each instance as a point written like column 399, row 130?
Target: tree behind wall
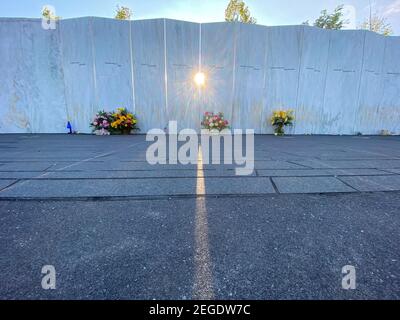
column 333, row 20
column 378, row 24
column 123, row 13
column 238, row 11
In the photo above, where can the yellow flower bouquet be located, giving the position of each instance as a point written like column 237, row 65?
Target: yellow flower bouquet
column 123, row 122
column 280, row 119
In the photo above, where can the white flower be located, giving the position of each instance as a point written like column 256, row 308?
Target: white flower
column 102, row 132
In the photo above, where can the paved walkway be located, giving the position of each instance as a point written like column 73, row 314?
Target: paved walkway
column 61, row 166
column 142, row 233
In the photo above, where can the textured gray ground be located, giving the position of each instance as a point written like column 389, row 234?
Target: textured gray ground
column 115, row 227
column 43, row 166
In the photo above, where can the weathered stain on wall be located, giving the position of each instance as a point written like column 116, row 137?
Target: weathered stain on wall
column 338, row 82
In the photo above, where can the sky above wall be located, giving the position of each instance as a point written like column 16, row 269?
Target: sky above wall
column 267, row 12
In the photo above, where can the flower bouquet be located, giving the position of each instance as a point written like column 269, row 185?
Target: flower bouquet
column 124, row 122
column 280, row 119
column 101, row 123
column 214, row 122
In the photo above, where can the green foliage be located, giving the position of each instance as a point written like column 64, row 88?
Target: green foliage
column 237, row 10
column 123, row 13
column 331, row 20
column 377, row 24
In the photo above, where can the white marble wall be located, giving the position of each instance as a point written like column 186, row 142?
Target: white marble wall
column 79, row 72
column 388, row 113
column 284, row 53
column 183, row 62
column 338, row 82
column 371, row 85
column 113, row 64
column 218, row 63
column 312, row 81
column 148, row 51
column 31, row 78
column 250, row 91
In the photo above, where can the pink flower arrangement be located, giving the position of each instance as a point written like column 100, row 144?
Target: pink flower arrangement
column 102, row 132
column 119, row 122
column 102, row 123
column 213, row 121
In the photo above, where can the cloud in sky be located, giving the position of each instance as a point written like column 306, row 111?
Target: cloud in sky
column 392, row 9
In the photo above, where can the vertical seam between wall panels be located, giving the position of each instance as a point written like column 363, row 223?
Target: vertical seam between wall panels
column 166, row 70
column 358, row 107
column 132, row 68
column 265, row 80
column 234, row 73
column 383, row 78
column 31, row 108
column 298, row 76
column 200, row 70
column 31, row 64
column 326, row 72
column 93, row 65
column 30, row 125
column 62, row 70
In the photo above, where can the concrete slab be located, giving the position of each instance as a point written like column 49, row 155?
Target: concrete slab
column 5, row 183
column 137, row 187
column 19, row 175
column 356, row 172
column 277, row 165
column 70, row 173
column 377, row 183
column 100, row 188
column 355, row 164
column 238, row 186
column 395, row 171
column 321, row 172
column 310, row 185
column 292, row 173
column 115, row 166
column 26, row 166
column 119, row 166
column 137, row 174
